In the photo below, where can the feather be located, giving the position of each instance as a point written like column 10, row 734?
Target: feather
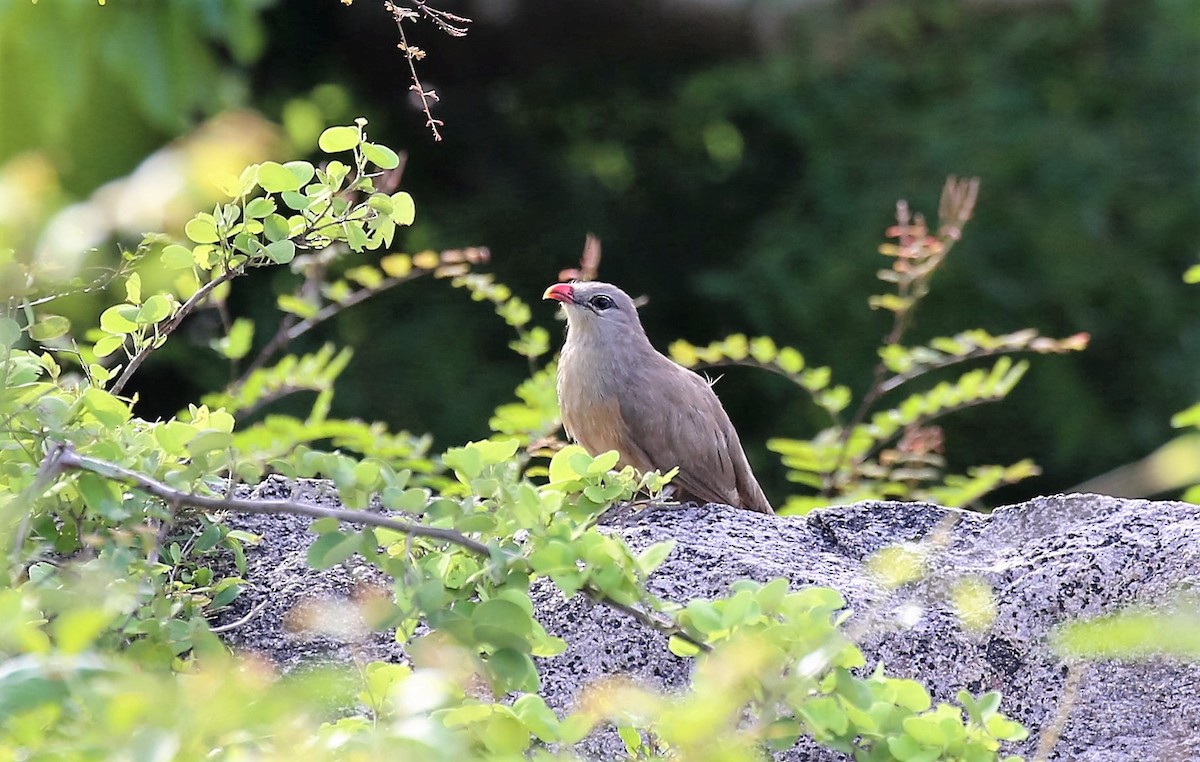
column 616, row 392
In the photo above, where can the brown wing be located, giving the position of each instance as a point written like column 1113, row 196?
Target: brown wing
column 672, row 418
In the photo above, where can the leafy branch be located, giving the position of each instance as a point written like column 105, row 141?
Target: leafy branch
column 851, row 459
column 63, row 456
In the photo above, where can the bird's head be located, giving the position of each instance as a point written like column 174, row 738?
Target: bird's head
column 595, row 308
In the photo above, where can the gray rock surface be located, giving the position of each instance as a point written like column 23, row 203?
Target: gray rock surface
column 1049, row 561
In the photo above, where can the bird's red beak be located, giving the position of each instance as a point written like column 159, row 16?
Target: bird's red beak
column 560, row 292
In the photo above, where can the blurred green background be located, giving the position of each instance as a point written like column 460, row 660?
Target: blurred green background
column 739, row 161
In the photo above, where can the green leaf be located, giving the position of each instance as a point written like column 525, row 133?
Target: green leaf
column 404, row 211
column 281, row 252
column 333, row 548
column 789, row 360
column 504, row 615
column 107, row 409
column 302, row 170
column 107, row 345
column 156, row 308
column 826, row 715
column 494, row 452
column 512, row 671
column 301, row 308
column 540, row 719
column 561, row 469
column 176, row 257
column 926, row 730
column 505, row 737
column 467, row 714
column 466, row 462
column 260, row 207
column 905, row 749
column 335, row 139
column 275, row 178
column 49, row 327
column 202, row 229
column 209, row 441
column 681, row 647
column 100, row 495
column 173, row 436
column 237, row 344
column 910, row 694
column 1188, row 417
column 119, row 319
column 380, row 155
column 603, row 463
column 652, row 557
column 76, row 629
column 1004, row 729
column 356, row 236
column 412, row 500
column 10, row 332
column 632, row 738
column 276, row 227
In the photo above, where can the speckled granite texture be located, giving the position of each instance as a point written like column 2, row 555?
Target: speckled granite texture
column 1051, row 560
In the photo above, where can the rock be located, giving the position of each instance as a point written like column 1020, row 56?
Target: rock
column 1049, row 561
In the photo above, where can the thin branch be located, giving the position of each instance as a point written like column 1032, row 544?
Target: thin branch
column 64, row 456
column 277, row 342
column 975, row 354
column 68, row 458
column 411, row 55
column 669, row 629
column 333, row 308
column 170, row 325
column 242, row 622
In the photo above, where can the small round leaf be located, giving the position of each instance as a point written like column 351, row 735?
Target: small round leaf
column 201, row 229
column 275, row 178
column 49, row 327
column 382, row 156
column 337, row 139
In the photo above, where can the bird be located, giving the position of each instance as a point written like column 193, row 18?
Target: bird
column 617, row 392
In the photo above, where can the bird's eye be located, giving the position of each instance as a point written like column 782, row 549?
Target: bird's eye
column 601, row 302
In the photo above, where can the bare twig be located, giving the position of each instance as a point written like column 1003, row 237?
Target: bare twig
column 244, row 620
column 453, row 25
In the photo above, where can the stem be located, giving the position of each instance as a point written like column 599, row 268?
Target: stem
column 170, row 325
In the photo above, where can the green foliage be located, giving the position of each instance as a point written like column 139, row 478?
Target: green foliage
column 1190, row 417
column 895, row 452
column 105, row 633
column 116, row 91
column 1134, row 633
